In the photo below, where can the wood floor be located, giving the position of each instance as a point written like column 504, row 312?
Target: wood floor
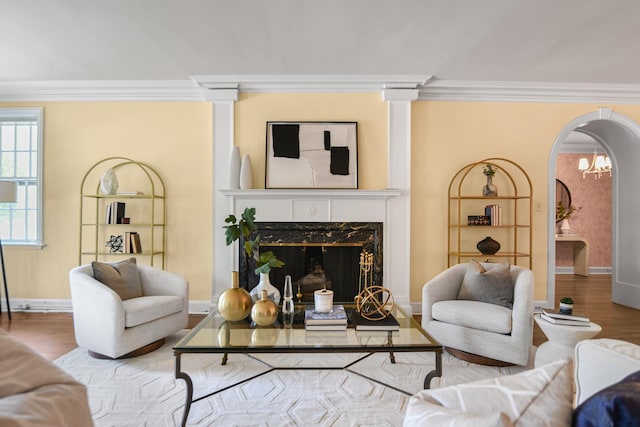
column 51, row 334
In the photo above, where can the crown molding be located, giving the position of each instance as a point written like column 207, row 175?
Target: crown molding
column 101, row 90
column 207, row 87
column 317, row 83
column 467, row 90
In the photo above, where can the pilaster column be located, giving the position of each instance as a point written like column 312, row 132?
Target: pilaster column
column 223, row 141
column 397, row 251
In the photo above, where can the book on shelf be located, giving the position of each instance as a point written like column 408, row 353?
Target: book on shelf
column 136, row 247
column 566, row 316
column 389, row 323
column 327, row 327
column 114, row 213
column 127, row 242
column 494, row 212
column 567, row 322
column 337, row 316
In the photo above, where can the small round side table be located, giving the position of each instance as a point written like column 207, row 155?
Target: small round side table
column 562, row 340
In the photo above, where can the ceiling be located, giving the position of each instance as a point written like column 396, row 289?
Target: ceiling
column 569, row 41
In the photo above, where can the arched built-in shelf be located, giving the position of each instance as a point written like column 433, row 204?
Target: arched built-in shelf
column 144, row 203
column 514, row 199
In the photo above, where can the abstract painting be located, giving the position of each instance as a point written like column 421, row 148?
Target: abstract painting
column 312, row 155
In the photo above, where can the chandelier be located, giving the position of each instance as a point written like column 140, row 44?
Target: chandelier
column 599, row 164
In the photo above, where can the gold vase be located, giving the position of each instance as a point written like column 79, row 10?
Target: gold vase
column 264, row 311
column 234, row 303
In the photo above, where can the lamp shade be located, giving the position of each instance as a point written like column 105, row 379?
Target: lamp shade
column 583, row 165
column 8, row 191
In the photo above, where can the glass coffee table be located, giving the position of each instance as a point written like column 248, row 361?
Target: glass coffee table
column 217, row 336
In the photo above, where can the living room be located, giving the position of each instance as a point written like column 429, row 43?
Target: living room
column 418, row 124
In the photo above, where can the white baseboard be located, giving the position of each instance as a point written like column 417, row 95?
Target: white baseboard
column 64, row 305
column 592, row 270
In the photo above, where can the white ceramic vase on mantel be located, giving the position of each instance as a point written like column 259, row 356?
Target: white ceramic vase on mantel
column 234, row 168
column 265, row 284
column 565, row 227
column 246, row 173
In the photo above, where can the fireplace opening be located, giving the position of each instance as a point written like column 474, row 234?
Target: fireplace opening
column 316, row 255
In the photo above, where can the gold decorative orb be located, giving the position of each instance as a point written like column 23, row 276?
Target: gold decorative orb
column 375, row 302
column 234, row 303
column 264, row 337
column 264, row 311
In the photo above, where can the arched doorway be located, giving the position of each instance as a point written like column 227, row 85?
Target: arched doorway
column 620, row 137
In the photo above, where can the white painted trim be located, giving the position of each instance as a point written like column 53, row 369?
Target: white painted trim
column 101, row 90
column 466, row 90
column 64, row 305
column 592, row 270
column 329, row 83
column 319, row 193
column 198, row 88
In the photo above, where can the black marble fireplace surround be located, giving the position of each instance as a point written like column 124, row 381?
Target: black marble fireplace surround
column 310, row 249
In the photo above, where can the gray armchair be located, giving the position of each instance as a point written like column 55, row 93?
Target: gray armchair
column 480, row 328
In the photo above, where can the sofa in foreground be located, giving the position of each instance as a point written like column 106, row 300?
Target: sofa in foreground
column 607, row 381
column 36, row 393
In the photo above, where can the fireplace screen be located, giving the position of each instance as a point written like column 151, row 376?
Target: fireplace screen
column 317, row 255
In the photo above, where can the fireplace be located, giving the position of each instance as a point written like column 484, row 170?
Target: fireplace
column 317, row 255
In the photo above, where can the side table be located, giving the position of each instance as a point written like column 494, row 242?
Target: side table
column 562, row 340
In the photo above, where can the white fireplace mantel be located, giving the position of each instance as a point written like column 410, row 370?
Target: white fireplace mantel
column 313, row 205
column 392, row 206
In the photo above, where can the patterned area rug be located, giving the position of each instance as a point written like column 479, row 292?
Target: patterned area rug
column 143, row 391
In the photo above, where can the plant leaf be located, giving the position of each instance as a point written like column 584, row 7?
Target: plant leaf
column 230, row 219
column 248, row 248
column 232, row 234
column 249, row 216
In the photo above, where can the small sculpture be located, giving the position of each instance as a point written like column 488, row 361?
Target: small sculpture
column 375, row 302
column 115, row 244
column 109, row 182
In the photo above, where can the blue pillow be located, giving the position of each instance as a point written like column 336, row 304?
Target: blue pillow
column 616, row 405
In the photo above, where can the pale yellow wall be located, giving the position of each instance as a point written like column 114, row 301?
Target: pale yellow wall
column 253, row 111
column 176, row 138
column 448, row 135
column 173, row 137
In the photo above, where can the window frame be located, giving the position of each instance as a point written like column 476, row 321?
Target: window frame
column 32, row 113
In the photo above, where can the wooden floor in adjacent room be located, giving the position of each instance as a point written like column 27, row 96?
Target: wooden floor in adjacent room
column 51, row 334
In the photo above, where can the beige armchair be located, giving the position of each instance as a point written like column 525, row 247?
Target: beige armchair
column 111, row 327
column 480, row 328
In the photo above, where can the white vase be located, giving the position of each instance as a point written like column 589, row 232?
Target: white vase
column 272, row 292
column 246, row 173
column 234, row 168
column 565, row 227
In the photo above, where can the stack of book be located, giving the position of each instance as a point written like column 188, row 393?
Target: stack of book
column 132, row 243
column 115, row 213
column 389, row 323
column 560, row 318
column 335, row 320
column 494, row 212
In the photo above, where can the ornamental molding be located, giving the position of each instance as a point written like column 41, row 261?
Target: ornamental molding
column 392, row 87
column 494, row 91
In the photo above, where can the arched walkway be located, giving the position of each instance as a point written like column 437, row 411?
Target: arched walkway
column 620, row 137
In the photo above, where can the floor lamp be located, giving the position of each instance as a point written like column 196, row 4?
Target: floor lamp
column 8, row 194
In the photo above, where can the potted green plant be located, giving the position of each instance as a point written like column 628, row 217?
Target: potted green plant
column 265, row 261
column 566, row 305
column 489, row 190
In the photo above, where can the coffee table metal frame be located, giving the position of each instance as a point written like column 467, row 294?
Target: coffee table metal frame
column 387, row 345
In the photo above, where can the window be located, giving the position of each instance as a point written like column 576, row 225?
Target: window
column 21, row 161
